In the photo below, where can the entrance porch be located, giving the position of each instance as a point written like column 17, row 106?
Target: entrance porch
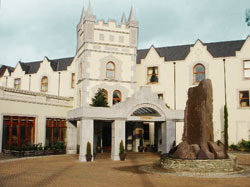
column 128, row 122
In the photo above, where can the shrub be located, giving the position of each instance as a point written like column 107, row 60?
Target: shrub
column 88, row 148
column 122, row 150
column 226, row 126
column 241, row 146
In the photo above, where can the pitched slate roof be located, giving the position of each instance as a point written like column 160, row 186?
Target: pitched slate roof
column 3, row 69
column 56, row 65
column 175, row 53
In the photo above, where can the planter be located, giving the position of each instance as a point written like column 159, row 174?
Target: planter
column 17, row 153
column 59, row 151
column 29, row 153
column 50, row 152
column 88, row 158
column 7, row 152
column 122, row 156
column 39, row 153
column 140, row 148
column 98, row 149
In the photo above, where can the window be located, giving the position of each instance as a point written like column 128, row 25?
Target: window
column 247, row 69
column 244, row 98
column 121, row 39
column 110, row 70
column 198, row 73
column 106, row 94
column 17, row 83
column 72, row 80
column 101, row 37
column 80, row 70
column 44, row 84
column 111, row 38
column 55, row 131
column 18, row 131
column 160, row 96
column 117, row 97
column 152, row 75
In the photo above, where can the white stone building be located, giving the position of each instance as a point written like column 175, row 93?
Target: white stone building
column 49, row 101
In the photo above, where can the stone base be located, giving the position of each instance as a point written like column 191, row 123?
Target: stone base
column 199, row 166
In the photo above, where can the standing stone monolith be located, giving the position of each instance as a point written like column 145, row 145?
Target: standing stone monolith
column 198, row 125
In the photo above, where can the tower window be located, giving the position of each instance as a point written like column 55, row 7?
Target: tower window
column 117, row 97
column 106, row 94
column 152, row 75
column 72, row 80
column 110, row 70
column 160, row 96
column 44, row 84
column 17, row 83
column 198, row 73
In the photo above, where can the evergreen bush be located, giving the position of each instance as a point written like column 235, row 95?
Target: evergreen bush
column 100, row 99
column 88, row 148
column 122, row 150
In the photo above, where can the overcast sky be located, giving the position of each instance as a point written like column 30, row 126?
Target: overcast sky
column 32, row 29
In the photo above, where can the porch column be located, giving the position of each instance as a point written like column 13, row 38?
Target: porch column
column 1, row 132
column 71, row 137
column 118, row 134
column 168, row 136
column 86, row 135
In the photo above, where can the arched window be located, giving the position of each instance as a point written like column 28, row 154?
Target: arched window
column 110, row 70
column 117, row 97
column 198, row 73
column 44, row 84
column 106, row 94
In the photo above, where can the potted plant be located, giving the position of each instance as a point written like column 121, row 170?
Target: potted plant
column 98, row 147
column 141, row 147
column 88, row 155
column 122, row 152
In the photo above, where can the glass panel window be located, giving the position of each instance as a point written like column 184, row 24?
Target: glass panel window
column 198, row 73
column 44, row 84
column 55, row 131
column 117, row 97
column 18, row 131
column 110, row 70
column 17, row 83
column 152, row 75
column 244, row 98
column 247, row 69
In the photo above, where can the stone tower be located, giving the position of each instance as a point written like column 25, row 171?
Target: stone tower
column 102, row 46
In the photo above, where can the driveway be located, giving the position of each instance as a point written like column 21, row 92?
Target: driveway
column 66, row 170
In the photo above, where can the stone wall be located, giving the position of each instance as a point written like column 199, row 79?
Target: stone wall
column 201, row 166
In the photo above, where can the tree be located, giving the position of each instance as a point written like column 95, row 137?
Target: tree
column 99, row 99
column 226, row 126
column 247, row 15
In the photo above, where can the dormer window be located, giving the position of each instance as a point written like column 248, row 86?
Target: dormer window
column 44, row 84
column 246, row 69
column 17, row 83
column 110, row 70
column 198, row 73
column 152, row 75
